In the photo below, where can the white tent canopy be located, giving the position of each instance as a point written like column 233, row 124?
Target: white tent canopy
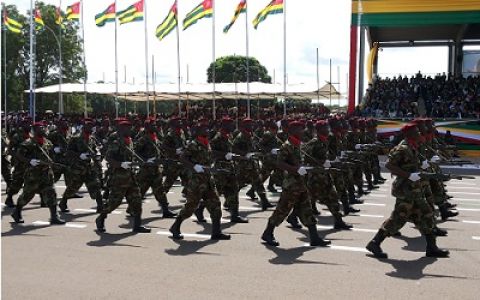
column 197, row 91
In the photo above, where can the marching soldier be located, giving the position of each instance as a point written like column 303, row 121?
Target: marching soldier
column 38, row 176
column 294, row 190
column 405, row 163
column 122, row 182
column 173, row 144
column 198, row 158
column 81, row 154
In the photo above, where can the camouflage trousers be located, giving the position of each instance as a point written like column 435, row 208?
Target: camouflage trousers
column 414, row 208
column 340, row 183
column 123, row 184
column 227, row 185
column 322, row 189
column 248, row 174
column 75, row 178
column 18, row 175
column 38, row 181
column 152, row 177
column 297, row 200
column 269, row 169
column 6, row 170
column 201, row 187
column 172, row 171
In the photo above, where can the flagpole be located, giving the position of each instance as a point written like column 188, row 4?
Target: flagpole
column 178, row 63
column 85, row 113
column 5, row 70
column 214, row 112
column 146, row 55
column 31, row 97
column 318, row 79
column 116, row 63
column 60, row 80
column 154, row 106
column 248, row 58
column 284, row 58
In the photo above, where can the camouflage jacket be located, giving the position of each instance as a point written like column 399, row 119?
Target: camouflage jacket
column 173, row 141
column 31, row 149
column 197, row 153
column 121, row 151
column 223, row 144
column 243, row 144
column 77, row 145
column 291, row 155
column 59, row 140
column 406, row 158
column 352, row 138
column 148, row 146
column 14, row 144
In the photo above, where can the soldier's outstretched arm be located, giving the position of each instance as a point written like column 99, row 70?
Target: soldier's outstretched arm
column 395, row 170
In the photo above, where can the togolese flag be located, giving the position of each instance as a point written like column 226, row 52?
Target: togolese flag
column 132, row 13
column 169, row 24
column 38, row 20
column 11, row 24
column 73, row 11
column 107, row 15
column 59, row 17
column 241, row 8
column 203, row 10
column 275, row 7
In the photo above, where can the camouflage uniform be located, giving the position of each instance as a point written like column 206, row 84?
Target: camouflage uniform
column 411, row 203
column 294, row 190
column 6, row 167
column 172, row 170
column 81, row 171
column 19, row 167
column 59, row 141
column 267, row 143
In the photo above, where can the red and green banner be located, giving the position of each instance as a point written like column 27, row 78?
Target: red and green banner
column 203, row 10
column 241, row 8
column 168, row 24
column 11, row 24
column 106, row 16
column 73, row 11
column 274, row 7
column 133, row 13
column 39, row 24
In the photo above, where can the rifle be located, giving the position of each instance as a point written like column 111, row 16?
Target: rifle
column 455, row 162
column 52, row 164
column 444, row 177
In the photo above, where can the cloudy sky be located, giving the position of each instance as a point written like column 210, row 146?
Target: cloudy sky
column 311, row 24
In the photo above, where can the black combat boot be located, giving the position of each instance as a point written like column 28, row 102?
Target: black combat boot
column 315, row 209
column 217, row 231
column 293, row 221
column 361, row 191
column 447, row 204
column 99, row 201
column 137, row 225
column 271, row 188
column 199, row 213
column 352, row 199
column 315, row 240
column 106, row 193
column 432, row 249
column 374, row 245
column 445, row 213
column 63, row 205
column 251, row 194
column 9, row 201
column 166, row 212
column 42, row 202
column 264, row 201
column 17, row 215
column 235, row 217
column 439, row 232
column 370, row 185
column 100, row 222
column 268, row 236
column 175, row 229
column 341, row 225
column 54, row 219
column 347, row 209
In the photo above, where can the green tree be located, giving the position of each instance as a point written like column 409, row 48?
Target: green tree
column 47, row 58
column 234, row 69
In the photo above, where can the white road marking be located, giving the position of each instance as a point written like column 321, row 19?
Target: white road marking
column 68, row 224
column 467, row 209
column 459, row 183
column 343, row 248
column 469, row 188
column 471, row 222
column 376, row 196
column 353, row 229
column 88, row 210
column 464, row 193
column 187, row 235
column 209, row 220
column 372, row 204
column 477, row 238
column 466, row 200
column 249, row 208
column 369, row 216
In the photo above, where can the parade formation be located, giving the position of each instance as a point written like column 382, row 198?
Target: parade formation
column 313, row 161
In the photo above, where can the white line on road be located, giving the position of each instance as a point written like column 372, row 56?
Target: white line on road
column 463, row 188
column 343, row 248
column 223, row 221
column 467, row 209
column 368, row 216
column 477, row 238
column 376, row 196
column 353, row 229
column 187, row 235
column 68, row 224
column 466, row 199
column 89, row 210
column 372, row 204
column 464, row 193
column 471, row 222
column 249, row 208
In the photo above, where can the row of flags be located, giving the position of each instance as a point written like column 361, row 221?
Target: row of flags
column 135, row 12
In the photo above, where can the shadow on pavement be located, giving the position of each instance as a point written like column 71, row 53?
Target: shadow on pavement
column 108, row 239
column 414, row 269
column 291, row 256
column 190, row 247
column 19, row 229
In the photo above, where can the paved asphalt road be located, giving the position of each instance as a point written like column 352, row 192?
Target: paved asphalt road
column 40, row 261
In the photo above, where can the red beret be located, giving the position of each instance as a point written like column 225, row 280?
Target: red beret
column 296, row 124
column 247, row 121
column 125, row 122
column 409, row 126
column 321, row 123
column 39, row 124
column 227, row 120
